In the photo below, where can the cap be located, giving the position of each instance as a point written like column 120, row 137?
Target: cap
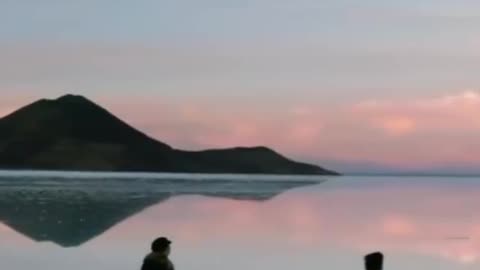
column 160, row 244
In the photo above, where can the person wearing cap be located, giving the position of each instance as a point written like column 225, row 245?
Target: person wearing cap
column 158, row 258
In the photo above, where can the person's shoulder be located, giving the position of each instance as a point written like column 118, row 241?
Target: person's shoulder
column 148, row 263
column 157, row 258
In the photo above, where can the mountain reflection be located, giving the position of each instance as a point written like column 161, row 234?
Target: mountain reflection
column 72, row 211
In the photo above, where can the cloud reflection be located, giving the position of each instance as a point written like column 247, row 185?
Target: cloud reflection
column 428, row 220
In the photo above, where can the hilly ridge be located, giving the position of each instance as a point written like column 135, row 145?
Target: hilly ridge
column 74, row 133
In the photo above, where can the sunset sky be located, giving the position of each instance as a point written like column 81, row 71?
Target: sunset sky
column 359, row 86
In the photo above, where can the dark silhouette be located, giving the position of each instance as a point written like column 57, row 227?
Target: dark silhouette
column 70, row 212
column 73, row 133
column 158, row 258
column 374, row 261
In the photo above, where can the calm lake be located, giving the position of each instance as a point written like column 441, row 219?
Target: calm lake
column 80, row 221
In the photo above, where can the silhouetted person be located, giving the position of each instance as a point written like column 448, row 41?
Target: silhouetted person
column 158, row 258
column 374, row 261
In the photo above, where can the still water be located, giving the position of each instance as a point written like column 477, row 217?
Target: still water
column 93, row 221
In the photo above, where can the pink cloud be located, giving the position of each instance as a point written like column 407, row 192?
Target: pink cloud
column 412, row 133
column 457, row 111
column 397, row 125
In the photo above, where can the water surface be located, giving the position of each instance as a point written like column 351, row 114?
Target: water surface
column 106, row 221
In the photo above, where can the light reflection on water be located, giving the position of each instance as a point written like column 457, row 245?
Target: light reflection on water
column 419, row 223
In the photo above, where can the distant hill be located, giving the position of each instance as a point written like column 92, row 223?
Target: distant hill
column 74, row 133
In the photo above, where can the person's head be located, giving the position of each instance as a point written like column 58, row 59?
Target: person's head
column 374, row 261
column 161, row 245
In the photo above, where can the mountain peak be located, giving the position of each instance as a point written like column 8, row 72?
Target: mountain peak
column 72, row 98
column 71, row 132
column 65, row 100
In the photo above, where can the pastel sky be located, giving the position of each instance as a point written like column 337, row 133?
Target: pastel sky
column 355, row 85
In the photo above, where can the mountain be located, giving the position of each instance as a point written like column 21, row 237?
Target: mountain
column 59, row 209
column 74, row 133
